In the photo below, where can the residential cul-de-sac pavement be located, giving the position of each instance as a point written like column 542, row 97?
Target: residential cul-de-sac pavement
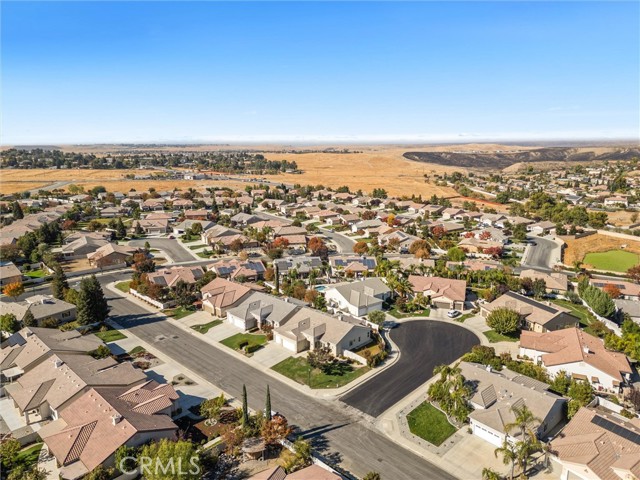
column 423, row 345
column 172, row 248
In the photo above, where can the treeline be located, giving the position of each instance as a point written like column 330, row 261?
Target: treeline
column 224, row 161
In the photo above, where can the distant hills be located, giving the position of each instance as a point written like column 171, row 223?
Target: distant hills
column 503, row 159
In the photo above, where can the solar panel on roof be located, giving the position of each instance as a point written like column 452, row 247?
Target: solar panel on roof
column 616, row 429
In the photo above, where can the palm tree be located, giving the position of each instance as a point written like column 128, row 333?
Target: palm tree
column 524, row 449
column 525, row 421
column 490, row 474
column 509, row 455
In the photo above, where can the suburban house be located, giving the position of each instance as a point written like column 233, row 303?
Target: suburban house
column 56, row 382
column 360, row 297
column 555, row 281
column 260, row 309
column 169, row 277
column 30, row 346
column 41, row 307
column 580, row 355
column 152, row 226
column 110, row 255
column 182, row 227
column 250, row 270
column 303, row 266
column 81, row 247
column 536, row 316
column 616, row 201
column 541, row 228
column 495, row 394
column 312, row 472
column 90, row 430
column 628, row 290
column 219, row 295
column 311, row 329
column 597, row 446
column 352, row 264
column 223, row 237
column 9, row 273
column 402, row 241
column 630, row 307
column 442, row 292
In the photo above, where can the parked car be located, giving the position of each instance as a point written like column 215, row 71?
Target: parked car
column 453, row 313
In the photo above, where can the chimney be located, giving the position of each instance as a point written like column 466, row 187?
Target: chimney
column 57, row 363
column 585, row 349
column 489, row 369
column 116, row 418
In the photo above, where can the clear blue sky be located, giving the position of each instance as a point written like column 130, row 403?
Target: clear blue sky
column 211, row 71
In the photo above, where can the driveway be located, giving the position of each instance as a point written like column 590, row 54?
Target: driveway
column 171, row 247
column 423, row 345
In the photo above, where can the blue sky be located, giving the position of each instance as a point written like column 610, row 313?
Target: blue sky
column 81, row 72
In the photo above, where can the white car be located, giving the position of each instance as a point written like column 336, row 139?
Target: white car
column 453, row 313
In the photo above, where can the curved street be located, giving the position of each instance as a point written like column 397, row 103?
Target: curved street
column 423, row 345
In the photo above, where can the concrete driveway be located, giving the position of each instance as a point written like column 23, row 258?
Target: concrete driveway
column 423, row 345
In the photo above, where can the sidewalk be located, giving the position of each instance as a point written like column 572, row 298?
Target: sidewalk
column 225, row 330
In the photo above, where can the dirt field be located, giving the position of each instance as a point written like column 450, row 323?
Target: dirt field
column 577, row 248
column 13, row 187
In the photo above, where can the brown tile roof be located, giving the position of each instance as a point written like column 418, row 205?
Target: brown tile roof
column 600, row 443
column 222, row 293
column 437, row 287
column 574, row 345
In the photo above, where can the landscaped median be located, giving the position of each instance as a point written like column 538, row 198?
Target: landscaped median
column 334, row 376
column 430, row 424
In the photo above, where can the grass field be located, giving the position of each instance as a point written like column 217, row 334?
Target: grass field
column 578, row 249
column 297, row 368
column 110, row 336
column 430, row 424
column 613, row 260
column 495, row 337
column 29, row 456
column 204, row 328
column 234, row 341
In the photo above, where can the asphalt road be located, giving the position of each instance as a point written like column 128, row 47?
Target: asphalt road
column 171, row 246
column 345, row 438
column 542, row 254
column 423, row 345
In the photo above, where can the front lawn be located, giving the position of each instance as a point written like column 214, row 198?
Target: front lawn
column 196, row 247
column 253, row 341
column 36, row 273
column 495, row 337
column 179, row 312
column 110, row 335
column 373, row 347
column 297, row 368
column 418, row 313
column 204, row 328
column 29, row 456
column 464, row 317
column 123, row 286
column 613, row 260
column 430, row 424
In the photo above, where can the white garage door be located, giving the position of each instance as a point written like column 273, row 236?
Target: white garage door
column 487, row 435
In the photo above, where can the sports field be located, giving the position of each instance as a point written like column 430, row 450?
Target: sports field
column 613, row 260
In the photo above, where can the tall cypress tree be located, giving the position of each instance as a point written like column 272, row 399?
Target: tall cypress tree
column 245, row 407
column 92, row 305
column 59, row 283
column 268, row 405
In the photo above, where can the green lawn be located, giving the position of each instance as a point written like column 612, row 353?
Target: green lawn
column 297, row 368
column 613, row 260
column 419, row 313
column 234, row 341
column 123, row 286
column 495, row 337
column 373, row 347
column 462, row 318
column 204, row 328
column 110, row 336
column 29, row 456
column 179, row 312
column 138, row 349
column 196, row 247
column 36, row 273
column 430, row 424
